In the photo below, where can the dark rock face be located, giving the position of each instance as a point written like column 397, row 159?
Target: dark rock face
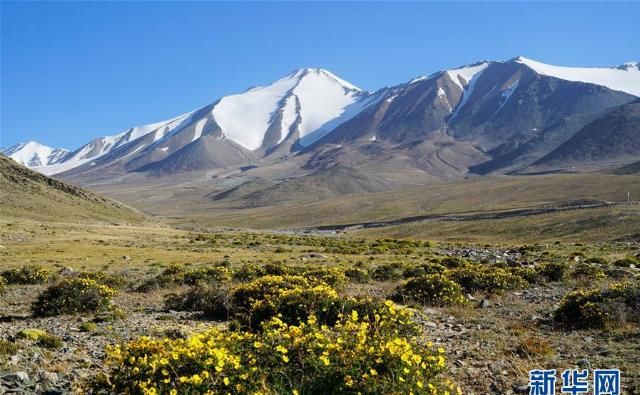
column 614, row 136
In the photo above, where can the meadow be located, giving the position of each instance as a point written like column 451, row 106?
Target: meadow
column 153, row 309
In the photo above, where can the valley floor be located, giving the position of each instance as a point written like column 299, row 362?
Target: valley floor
column 491, row 342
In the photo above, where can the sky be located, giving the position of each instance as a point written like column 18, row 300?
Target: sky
column 73, row 71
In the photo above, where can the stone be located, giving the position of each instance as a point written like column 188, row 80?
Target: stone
column 484, row 303
column 521, row 389
column 16, row 377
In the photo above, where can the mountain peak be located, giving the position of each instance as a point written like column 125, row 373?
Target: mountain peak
column 316, row 71
column 34, row 154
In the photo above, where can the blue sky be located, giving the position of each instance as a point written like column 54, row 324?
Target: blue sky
column 72, row 71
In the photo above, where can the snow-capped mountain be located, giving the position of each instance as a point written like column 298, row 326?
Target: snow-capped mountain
column 35, row 155
column 484, row 117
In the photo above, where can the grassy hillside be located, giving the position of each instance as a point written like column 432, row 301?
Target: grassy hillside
column 28, row 195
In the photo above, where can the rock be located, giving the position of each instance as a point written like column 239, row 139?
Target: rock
column 431, row 324
column 67, row 271
column 126, row 258
column 494, row 389
column 49, row 377
column 316, row 255
column 484, row 303
column 521, row 389
column 470, row 297
column 16, row 377
column 584, row 363
column 588, row 339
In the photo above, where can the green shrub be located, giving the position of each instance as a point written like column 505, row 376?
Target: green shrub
column 357, row 355
column 8, row 348
column 485, row 278
column 528, row 274
column 596, row 260
column 357, row 275
column 88, row 327
column 30, row 274
column 71, row 296
column 626, row 262
column 40, row 337
column 388, row 272
column 210, row 299
column 588, row 272
column 213, row 274
column 115, row 281
column 600, row 308
column 3, row 285
column 334, row 276
column 452, row 262
column 430, row 290
column 552, row 271
column 249, row 272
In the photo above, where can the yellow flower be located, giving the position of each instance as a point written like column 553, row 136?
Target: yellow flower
column 282, row 349
column 373, row 372
column 226, row 381
column 348, row 380
column 325, row 360
column 285, row 358
column 354, row 315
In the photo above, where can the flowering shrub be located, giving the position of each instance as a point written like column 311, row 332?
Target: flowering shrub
column 74, row 295
column 334, row 277
column 31, row 274
column 600, row 308
column 552, row 271
column 248, row 272
column 212, row 274
column 485, row 278
column 357, row 275
column 431, row 290
column 115, row 281
column 355, row 356
column 588, row 272
column 388, row 272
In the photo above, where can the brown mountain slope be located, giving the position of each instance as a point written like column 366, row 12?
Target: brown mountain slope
column 614, row 137
column 26, row 194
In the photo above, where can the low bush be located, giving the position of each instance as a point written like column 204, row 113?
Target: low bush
column 552, row 271
column 388, row 272
column 357, row 275
column 531, row 347
column 211, row 300
column 115, row 281
column 596, row 260
column 585, row 271
column 626, row 262
column 430, row 290
column 618, row 304
column 8, row 348
column 334, row 276
column 3, row 285
column 357, row 355
column 249, row 272
column 211, row 274
column 41, row 338
column 30, row 274
column 71, row 296
column 485, row 278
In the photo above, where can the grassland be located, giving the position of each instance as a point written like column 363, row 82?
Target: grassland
column 488, row 348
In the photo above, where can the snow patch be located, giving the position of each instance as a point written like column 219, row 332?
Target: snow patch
column 467, row 73
column 626, row 79
column 506, row 94
column 199, row 126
